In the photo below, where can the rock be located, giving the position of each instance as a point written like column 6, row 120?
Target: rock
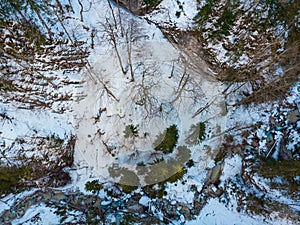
column 293, row 116
column 254, row 144
column 283, row 152
column 59, row 178
column 144, row 200
column 198, row 205
column 215, row 174
column 214, row 191
column 186, row 212
column 136, row 208
column 135, row 6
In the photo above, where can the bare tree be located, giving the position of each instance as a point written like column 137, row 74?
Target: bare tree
column 182, row 83
column 144, row 93
column 81, row 10
column 129, row 40
column 119, row 32
column 113, row 37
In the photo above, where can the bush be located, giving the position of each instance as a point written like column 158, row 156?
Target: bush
column 93, row 186
column 155, row 192
column 131, row 131
column 204, row 13
column 10, row 177
column 169, row 141
column 178, row 175
column 163, row 176
column 152, row 3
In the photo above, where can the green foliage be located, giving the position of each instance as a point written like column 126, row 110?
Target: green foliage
column 29, row 14
column 61, row 211
column 93, row 186
column 128, row 188
column 155, row 191
column 10, row 177
column 167, row 141
column 158, row 172
column 171, row 172
column 165, row 171
column 226, row 21
column 129, row 181
column 204, row 12
column 131, row 131
column 35, row 35
column 12, row 9
column 288, row 171
column 157, row 161
column 276, row 25
column 178, row 175
column 190, row 163
column 152, row 3
column 202, row 128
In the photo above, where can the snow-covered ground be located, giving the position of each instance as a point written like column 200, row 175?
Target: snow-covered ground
column 153, row 102
column 176, row 14
column 165, row 91
column 215, row 212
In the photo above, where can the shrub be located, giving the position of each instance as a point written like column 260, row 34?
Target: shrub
column 10, row 177
column 93, row 186
column 169, row 141
column 152, row 3
column 202, row 129
column 153, row 191
column 180, row 171
column 131, row 131
column 169, row 171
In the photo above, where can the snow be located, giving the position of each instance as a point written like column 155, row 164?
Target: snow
column 24, row 124
column 9, row 200
column 180, row 192
column 232, row 167
column 98, row 117
column 44, row 213
column 215, row 212
column 153, row 56
column 177, row 14
column 144, row 201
